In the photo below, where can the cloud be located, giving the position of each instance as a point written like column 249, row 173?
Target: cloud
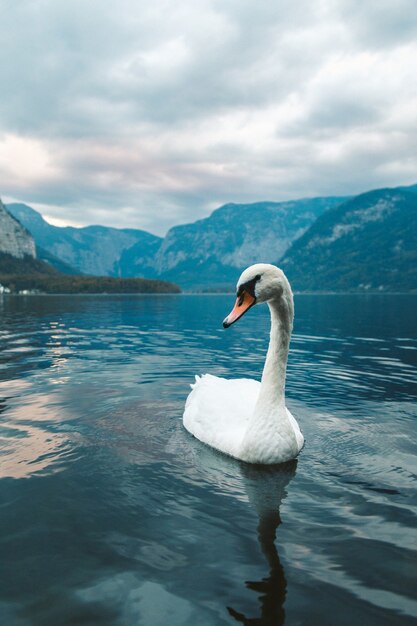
column 150, row 114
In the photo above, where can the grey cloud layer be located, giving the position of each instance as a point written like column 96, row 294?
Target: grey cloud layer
column 150, row 113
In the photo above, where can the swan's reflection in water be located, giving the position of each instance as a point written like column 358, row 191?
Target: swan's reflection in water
column 266, row 488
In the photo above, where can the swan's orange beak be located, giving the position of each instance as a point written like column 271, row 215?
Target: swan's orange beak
column 243, row 303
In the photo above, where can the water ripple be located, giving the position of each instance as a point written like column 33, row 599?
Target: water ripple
column 116, row 509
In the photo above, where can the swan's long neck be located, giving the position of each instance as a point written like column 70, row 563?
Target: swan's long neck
column 270, row 436
column 273, row 376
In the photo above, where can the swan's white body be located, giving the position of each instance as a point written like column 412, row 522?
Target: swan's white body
column 243, row 418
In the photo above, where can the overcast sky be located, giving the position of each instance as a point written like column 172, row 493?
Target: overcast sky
column 150, row 113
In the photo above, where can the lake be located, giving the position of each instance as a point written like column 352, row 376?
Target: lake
column 112, row 514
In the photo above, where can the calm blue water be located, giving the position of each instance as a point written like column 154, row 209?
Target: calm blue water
column 111, row 514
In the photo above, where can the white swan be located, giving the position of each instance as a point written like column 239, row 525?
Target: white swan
column 243, row 418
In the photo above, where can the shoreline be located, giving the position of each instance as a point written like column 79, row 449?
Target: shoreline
column 211, row 294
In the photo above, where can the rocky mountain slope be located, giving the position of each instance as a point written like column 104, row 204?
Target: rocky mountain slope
column 21, row 271
column 19, row 255
column 365, row 242
column 139, row 260
column 94, row 250
column 211, row 252
column 206, row 253
column 55, row 263
column 15, row 240
column 368, row 242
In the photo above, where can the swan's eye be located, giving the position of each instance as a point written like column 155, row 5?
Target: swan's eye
column 258, row 277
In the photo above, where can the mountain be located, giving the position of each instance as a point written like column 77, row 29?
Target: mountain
column 412, row 188
column 15, row 240
column 212, row 251
column 367, row 242
column 55, row 263
column 21, row 271
column 208, row 252
column 333, row 243
column 92, row 250
column 18, row 252
column 139, row 259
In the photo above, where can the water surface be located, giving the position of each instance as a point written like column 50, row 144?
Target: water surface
column 112, row 514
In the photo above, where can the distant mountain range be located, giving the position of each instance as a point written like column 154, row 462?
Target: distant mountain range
column 208, row 252
column 22, row 271
column 331, row 243
column 212, row 251
column 94, row 250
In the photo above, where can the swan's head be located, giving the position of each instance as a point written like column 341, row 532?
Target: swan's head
column 260, row 283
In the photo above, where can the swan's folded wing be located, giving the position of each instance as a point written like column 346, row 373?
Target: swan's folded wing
column 297, row 432
column 217, row 410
